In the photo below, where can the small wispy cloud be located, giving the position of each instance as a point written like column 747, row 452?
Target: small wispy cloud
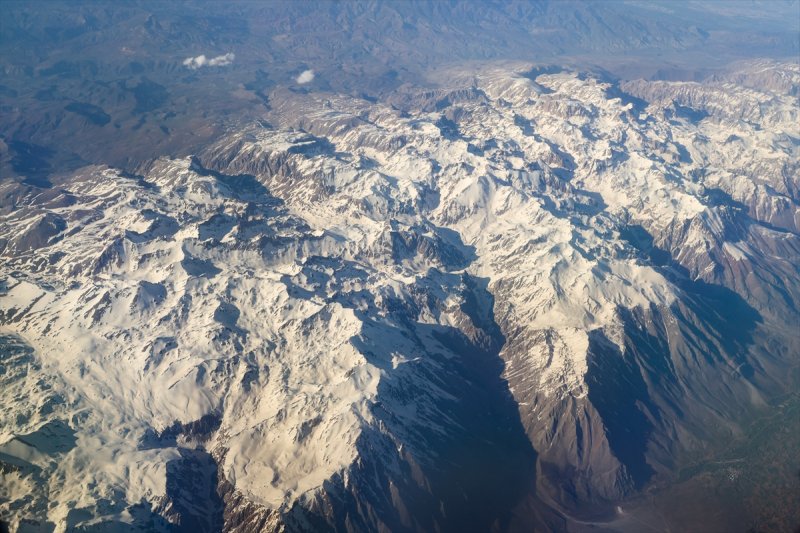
column 307, row 76
column 221, row 61
column 195, row 63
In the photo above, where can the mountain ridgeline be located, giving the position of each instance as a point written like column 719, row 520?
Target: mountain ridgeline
column 483, row 293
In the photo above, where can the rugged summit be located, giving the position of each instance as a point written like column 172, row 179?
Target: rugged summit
column 518, row 300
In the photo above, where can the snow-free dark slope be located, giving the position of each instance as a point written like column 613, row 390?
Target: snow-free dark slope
column 104, row 82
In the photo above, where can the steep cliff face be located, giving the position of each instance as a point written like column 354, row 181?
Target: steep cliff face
column 519, row 301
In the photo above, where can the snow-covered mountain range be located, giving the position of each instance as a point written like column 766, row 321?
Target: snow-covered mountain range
column 517, row 300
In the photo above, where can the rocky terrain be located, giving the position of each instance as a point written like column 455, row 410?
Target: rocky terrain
column 508, row 298
column 108, row 83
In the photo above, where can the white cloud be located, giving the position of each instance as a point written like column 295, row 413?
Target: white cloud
column 306, row 76
column 195, row 63
column 221, row 61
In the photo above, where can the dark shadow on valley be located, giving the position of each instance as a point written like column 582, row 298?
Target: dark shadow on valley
column 241, row 186
column 719, row 320
column 194, row 504
column 467, row 477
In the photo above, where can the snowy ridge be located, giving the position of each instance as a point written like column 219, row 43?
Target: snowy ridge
column 158, row 314
column 305, row 302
